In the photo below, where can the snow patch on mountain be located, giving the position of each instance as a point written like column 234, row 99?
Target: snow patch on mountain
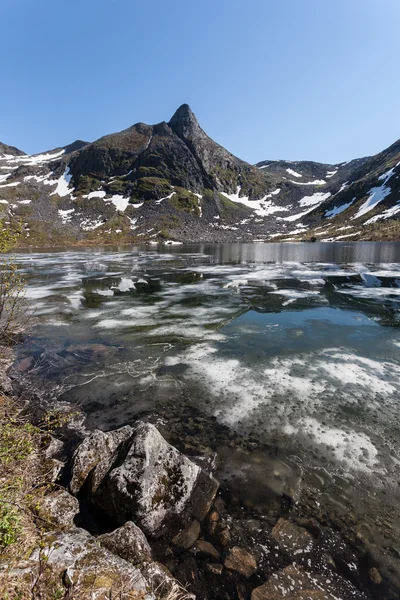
column 119, row 202
column 97, row 194
column 315, row 199
column 315, row 182
column 165, row 198
column 66, row 215
column 331, row 174
column 376, row 195
column 4, row 185
column 293, row 173
column 386, row 214
column 336, row 210
column 262, row 207
column 31, row 160
column 63, row 188
column 311, row 201
column 91, row 224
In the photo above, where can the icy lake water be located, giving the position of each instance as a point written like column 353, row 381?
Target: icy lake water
column 292, row 349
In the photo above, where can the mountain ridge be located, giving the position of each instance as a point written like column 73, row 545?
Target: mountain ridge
column 172, row 181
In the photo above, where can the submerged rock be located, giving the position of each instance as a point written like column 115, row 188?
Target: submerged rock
column 241, row 561
column 293, row 583
column 375, row 576
column 204, row 549
column 187, row 537
column 292, row 538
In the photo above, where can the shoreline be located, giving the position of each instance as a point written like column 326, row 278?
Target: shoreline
column 239, row 527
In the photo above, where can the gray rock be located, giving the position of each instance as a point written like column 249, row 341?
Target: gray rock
column 59, row 509
column 150, row 482
column 54, row 448
column 92, row 571
column 95, row 448
column 128, row 542
column 241, row 561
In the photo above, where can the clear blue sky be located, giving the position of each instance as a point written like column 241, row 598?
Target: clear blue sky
column 294, row 79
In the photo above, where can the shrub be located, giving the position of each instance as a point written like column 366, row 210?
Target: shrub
column 13, row 308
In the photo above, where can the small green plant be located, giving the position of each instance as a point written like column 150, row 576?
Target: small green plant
column 9, row 524
column 17, row 441
column 8, row 238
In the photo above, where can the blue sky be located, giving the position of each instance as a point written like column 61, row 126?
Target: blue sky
column 267, row 79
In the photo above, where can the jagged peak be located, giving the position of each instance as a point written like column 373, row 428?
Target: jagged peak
column 183, row 120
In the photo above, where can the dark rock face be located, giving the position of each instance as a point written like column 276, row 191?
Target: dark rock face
column 179, row 152
column 12, row 150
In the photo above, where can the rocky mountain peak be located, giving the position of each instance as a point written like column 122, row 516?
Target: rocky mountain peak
column 184, row 122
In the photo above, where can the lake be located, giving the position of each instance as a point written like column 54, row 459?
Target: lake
column 277, row 363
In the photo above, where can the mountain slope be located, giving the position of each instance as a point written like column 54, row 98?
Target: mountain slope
column 172, row 181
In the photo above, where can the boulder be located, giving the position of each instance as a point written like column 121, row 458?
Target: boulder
column 78, row 562
column 291, row 538
column 59, row 509
column 241, row 561
column 150, row 482
column 95, row 448
column 128, row 542
column 54, row 448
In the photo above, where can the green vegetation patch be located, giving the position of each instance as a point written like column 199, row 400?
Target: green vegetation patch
column 150, row 188
column 185, row 201
column 86, row 184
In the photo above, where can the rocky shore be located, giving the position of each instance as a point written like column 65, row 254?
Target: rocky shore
column 130, row 516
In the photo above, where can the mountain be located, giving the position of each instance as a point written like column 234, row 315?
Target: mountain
column 171, row 181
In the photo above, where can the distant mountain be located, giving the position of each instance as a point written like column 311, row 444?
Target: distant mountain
column 10, row 150
column 171, row 181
